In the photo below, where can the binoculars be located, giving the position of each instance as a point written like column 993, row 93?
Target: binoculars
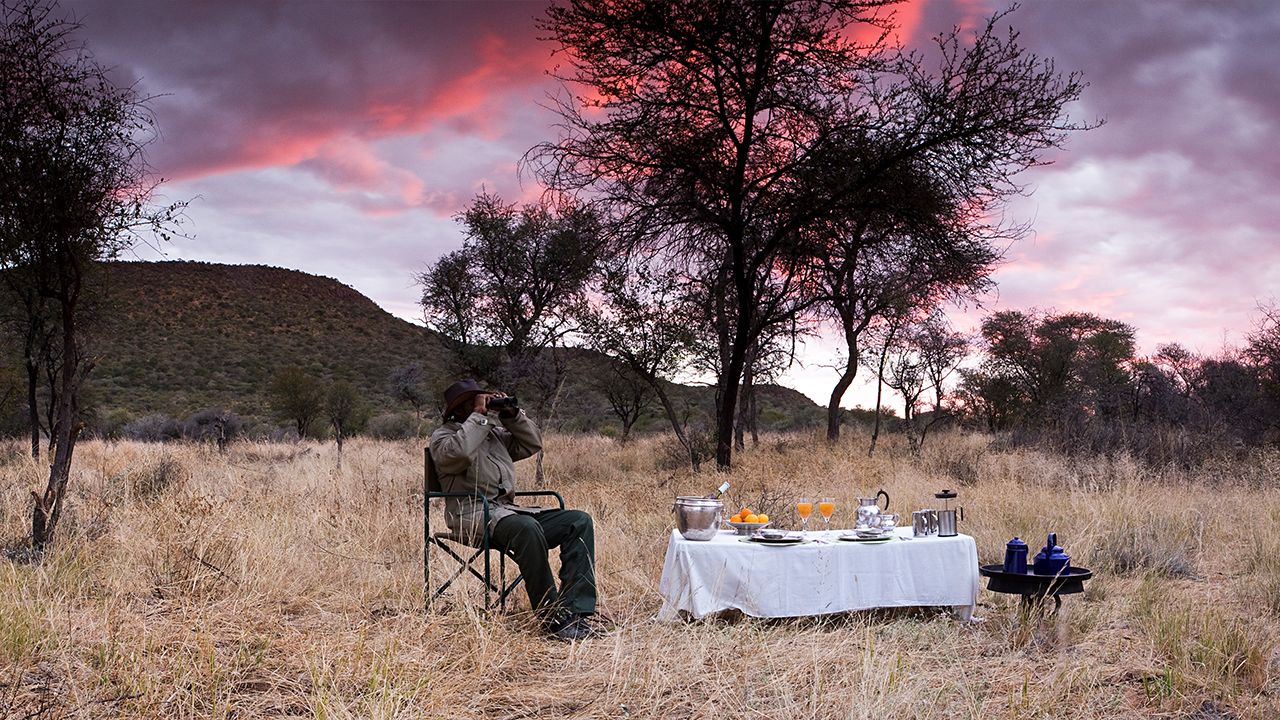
column 503, row 403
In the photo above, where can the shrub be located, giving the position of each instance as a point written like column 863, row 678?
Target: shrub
column 204, row 425
column 392, row 426
column 111, row 423
column 154, row 478
column 674, row 456
column 156, row 427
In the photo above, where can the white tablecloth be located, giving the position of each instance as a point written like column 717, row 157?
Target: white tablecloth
column 819, row 577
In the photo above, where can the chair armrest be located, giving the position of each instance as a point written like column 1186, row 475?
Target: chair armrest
column 542, row 493
column 476, row 495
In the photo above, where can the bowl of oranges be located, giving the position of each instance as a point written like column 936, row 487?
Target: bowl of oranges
column 746, row 521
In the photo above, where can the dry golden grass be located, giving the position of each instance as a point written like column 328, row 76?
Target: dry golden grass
column 275, row 582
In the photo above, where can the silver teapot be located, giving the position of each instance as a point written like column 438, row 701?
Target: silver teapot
column 869, row 510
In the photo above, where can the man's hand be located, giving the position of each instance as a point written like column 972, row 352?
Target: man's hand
column 482, row 401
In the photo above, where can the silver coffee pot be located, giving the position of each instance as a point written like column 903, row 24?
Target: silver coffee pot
column 946, row 516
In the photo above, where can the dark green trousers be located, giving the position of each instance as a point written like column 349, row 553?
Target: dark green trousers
column 529, row 537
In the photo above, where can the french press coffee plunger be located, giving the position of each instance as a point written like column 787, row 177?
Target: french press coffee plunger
column 947, row 516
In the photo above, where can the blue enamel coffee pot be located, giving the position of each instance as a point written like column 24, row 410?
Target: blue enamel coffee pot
column 1051, row 560
column 1015, row 556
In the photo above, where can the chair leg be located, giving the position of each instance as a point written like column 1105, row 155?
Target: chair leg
column 464, row 565
column 502, row 588
column 511, row 586
column 488, row 574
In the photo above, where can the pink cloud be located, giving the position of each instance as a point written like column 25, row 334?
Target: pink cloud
column 250, row 85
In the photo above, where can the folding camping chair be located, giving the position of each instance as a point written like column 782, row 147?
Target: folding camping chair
column 463, row 549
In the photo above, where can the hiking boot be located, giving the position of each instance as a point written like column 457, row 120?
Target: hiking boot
column 569, row 627
column 595, row 625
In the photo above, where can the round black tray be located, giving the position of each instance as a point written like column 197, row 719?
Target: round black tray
column 1032, row 586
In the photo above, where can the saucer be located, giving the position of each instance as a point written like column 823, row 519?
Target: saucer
column 788, row 540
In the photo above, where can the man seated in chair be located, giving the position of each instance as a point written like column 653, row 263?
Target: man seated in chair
column 475, row 452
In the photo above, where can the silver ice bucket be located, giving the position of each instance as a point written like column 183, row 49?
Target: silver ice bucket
column 698, row 518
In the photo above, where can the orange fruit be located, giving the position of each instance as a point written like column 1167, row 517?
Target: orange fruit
column 736, row 518
column 762, row 518
column 745, row 511
column 751, row 518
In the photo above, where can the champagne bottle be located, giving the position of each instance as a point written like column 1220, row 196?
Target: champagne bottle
column 719, row 491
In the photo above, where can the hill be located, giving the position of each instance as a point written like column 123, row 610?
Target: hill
column 175, row 338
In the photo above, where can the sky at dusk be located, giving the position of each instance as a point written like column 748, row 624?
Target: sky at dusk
column 340, row 138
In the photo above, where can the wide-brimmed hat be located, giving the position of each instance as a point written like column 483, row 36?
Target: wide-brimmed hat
column 458, row 393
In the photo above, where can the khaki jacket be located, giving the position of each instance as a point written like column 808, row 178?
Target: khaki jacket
column 479, row 455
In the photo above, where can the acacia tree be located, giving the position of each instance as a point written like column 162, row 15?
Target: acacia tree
column 505, row 301
column 645, row 321
column 916, row 359
column 1263, row 352
column 883, row 283
column 298, row 397
column 343, row 409
column 409, row 383
column 942, row 349
column 1062, row 366
column 25, row 319
column 75, row 189
column 628, row 395
column 737, row 138
column 883, row 339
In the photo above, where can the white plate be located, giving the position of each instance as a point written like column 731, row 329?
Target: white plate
column 867, row 539
column 788, row 540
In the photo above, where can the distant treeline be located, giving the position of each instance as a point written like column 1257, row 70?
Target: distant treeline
column 1075, row 382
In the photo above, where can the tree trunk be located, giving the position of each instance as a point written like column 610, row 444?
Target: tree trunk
column 629, row 421
column 728, row 407
column 695, row 461
column 51, row 407
column 875, row 429
column 33, row 404
column 909, row 425
column 884, row 355
column 845, row 380
column 728, row 413
column 47, row 510
column 837, row 394
column 740, row 425
column 745, row 403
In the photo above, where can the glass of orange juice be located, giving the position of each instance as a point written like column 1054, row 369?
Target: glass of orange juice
column 804, row 508
column 826, row 506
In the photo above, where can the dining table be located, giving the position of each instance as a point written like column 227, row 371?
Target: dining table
column 819, row 575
